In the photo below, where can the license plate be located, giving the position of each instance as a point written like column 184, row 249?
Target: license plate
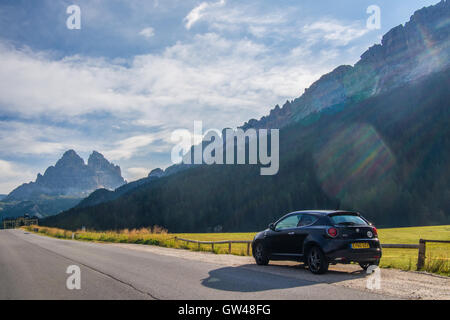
column 360, row 245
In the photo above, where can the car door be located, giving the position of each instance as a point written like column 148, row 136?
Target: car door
column 301, row 232
column 280, row 238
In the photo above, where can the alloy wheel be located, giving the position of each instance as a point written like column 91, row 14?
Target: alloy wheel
column 259, row 252
column 314, row 260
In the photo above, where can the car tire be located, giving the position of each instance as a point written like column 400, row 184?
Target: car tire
column 316, row 261
column 260, row 255
column 366, row 265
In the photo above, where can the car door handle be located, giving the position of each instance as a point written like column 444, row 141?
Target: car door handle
column 291, row 233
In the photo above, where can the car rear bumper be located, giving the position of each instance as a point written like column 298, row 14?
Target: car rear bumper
column 341, row 251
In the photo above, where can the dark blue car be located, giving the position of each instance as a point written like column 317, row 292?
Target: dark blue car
column 319, row 238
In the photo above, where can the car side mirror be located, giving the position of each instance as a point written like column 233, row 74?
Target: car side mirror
column 272, row 226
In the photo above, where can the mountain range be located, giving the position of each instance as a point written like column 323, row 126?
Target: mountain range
column 70, row 176
column 373, row 137
column 62, row 186
column 103, row 195
column 406, row 53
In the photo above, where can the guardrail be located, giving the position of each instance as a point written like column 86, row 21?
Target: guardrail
column 422, row 246
column 422, row 251
column 212, row 243
column 420, row 258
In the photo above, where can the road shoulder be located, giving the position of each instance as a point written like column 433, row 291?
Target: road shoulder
column 394, row 283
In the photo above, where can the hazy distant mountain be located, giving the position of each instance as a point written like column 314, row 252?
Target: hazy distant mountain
column 70, row 176
column 103, row 195
column 43, row 207
column 62, row 186
column 374, row 137
column 2, row 196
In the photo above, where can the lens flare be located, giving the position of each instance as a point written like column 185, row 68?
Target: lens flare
column 355, row 159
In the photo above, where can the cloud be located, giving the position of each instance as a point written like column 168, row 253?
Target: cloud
column 197, row 76
column 125, row 110
column 25, row 138
column 136, row 173
column 73, row 85
column 126, row 148
column 147, row 32
column 334, row 31
column 12, row 175
column 199, row 12
column 128, row 108
column 244, row 19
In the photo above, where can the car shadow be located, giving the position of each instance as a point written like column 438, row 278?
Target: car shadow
column 253, row 278
column 335, row 272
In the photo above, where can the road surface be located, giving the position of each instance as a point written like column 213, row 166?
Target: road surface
column 34, row 267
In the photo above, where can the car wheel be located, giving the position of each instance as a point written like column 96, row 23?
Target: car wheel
column 317, row 262
column 261, row 255
column 366, row 265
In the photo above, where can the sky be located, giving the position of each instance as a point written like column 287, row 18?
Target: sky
column 137, row 70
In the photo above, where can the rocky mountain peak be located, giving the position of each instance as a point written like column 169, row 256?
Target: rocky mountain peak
column 72, row 177
column 70, row 159
column 101, row 165
column 98, row 161
column 407, row 53
column 96, row 157
column 427, row 27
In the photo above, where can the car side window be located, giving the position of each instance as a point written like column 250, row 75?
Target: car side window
column 288, row 222
column 306, row 220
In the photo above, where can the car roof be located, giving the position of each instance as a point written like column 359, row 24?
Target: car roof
column 321, row 212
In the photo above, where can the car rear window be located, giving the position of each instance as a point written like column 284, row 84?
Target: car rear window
column 307, row 220
column 347, row 219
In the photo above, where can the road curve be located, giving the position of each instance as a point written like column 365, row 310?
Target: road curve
column 34, row 267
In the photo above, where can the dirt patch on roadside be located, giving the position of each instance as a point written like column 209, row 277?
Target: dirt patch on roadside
column 394, row 283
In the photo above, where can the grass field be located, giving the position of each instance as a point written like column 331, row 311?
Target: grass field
column 437, row 254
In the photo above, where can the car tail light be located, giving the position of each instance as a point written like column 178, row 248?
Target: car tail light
column 375, row 232
column 332, row 232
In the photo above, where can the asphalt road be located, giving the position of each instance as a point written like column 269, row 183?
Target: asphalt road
column 34, row 267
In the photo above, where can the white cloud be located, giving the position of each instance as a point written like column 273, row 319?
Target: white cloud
column 147, row 32
column 257, row 24
column 136, row 173
column 334, row 31
column 22, row 138
column 221, row 81
column 12, row 175
column 195, row 15
column 200, row 11
column 233, row 78
column 126, row 148
column 32, row 83
column 244, row 18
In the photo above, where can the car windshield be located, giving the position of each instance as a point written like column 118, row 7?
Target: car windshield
column 347, row 219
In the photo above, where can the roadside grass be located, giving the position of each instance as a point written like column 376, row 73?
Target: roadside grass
column 150, row 236
column 437, row 254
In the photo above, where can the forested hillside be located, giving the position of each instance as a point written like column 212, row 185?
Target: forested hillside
column 386, row 156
